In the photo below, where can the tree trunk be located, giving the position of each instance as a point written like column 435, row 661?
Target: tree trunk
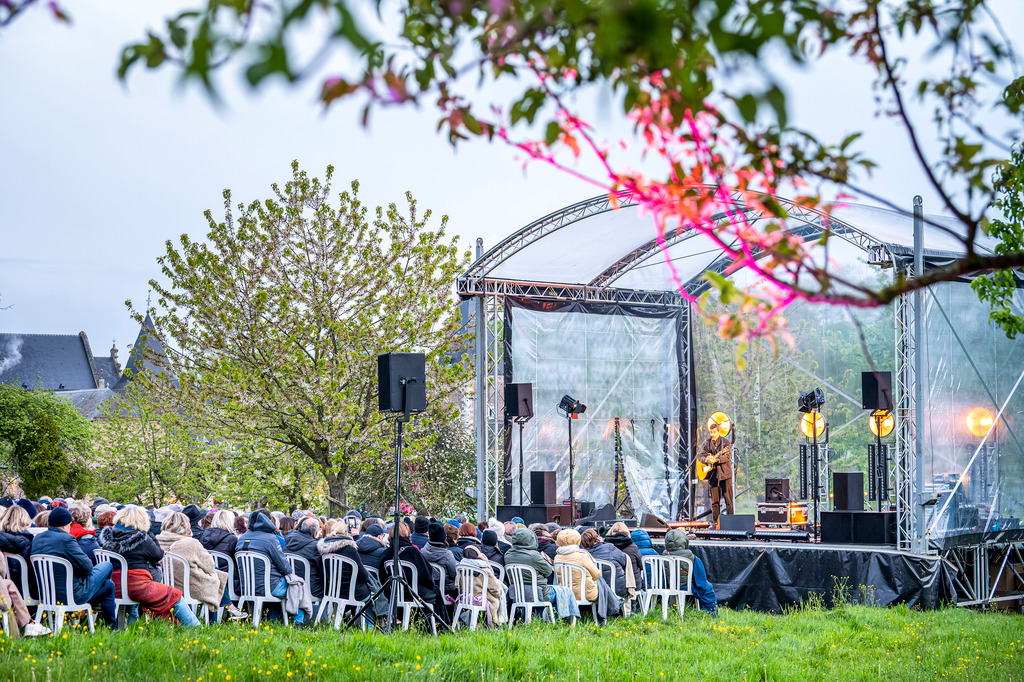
column 337, row 494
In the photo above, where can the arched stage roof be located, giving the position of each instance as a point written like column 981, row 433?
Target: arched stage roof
column 597, row 247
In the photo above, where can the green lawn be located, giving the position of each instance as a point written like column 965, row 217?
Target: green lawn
column 847, row 643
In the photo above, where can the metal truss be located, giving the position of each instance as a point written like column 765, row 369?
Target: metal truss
column 902, row 464
column 687, row 408
column 467, row 287
column 979, row 587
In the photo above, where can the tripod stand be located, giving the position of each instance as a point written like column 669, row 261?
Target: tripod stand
column 396, row 581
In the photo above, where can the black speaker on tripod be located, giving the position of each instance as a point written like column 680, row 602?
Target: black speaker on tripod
column 401, row 382
column 776, row 490
column 518, row 401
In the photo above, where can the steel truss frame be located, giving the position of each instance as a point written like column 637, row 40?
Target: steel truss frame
column 975, row 562
column 902, row 466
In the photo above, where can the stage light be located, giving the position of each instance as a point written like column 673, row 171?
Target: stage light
column 570, row 405
column 812, row 424
column 722, row 419
column 883, row 419
column 811, row 401
column 979, row 421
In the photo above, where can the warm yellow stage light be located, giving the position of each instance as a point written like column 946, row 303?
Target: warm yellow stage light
column 722, row 419
column 812, row 424
column 884, row 419
column 979, row 421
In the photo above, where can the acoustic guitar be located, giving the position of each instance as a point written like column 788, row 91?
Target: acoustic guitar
column 703, row 470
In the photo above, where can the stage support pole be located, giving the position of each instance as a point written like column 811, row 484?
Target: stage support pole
column 481, row 398
column 919, row 544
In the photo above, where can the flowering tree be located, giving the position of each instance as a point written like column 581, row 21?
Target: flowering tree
column 274, row 323
column 694, row 78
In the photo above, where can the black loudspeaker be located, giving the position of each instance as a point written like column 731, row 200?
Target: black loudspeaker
column 402, row 382
column 776, row 490
column 585, row 508
column 858, row 528
column 542, row 487
column 652, row 521
column 605, row 513
column 518, row 401
column 847, row 491
column 743, row 522
column 876, row 390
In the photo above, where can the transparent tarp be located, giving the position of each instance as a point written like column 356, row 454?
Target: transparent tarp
column 971, row 367
column 623, row 365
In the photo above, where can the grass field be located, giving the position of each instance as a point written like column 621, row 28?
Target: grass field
column 847, row 643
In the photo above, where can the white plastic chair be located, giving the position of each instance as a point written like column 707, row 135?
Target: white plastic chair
column 338, row 597
column 663, row 573
column 527, row 598
column 374, row 573
column 124, row 602
column 406, row 604
column 442, row 575
column 681, row 564
column 44, row 566
column 498, row 570
column 246, row 562
column 223, row 562
column 563, row 576
column 173, row 564
column 300, row 567
column 469, row 599
column 24, row 578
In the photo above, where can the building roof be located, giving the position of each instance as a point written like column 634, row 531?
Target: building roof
column 46, row 361
column 146, row 348
column 89, row 402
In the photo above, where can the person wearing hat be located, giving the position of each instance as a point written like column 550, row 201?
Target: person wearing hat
column 436, row 552
column 489, row 540
column 195, row 515
column 90, row 584
column 420, row 528
column 372, row 545
column 29, row 507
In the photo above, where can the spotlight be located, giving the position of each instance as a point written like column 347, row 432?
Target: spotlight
column 722, row 419
column 979, row 421
column 811, row 401
column 570, row 405
column 881, row 423
column 812, row 424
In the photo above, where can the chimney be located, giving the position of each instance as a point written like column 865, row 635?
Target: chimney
column 113, row 355
column 101, row 382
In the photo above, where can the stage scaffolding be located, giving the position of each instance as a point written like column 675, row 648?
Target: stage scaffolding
column 528, row 265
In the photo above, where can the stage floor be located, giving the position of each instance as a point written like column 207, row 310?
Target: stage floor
column 772, row 576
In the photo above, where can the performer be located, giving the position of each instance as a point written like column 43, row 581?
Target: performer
column 718, row 452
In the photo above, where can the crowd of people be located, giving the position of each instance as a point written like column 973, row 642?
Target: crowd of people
column 75, row 530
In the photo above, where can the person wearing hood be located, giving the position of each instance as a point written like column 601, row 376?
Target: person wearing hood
column 472, row 556
column 16, row 539
column 678, row 544
column 130, row 537
column 262, row 537
column 82, row 529
column 545, row 543
column 302, row 541
column 467, row 537
column 524, row 552
column 339, row 542
column 618, row 535
column 436, row 552
column 643, row 542
column 205, row 583
column 372, row 546
column 591, row 541
column 195, row 515
column 490, row 547
column 570, row 552
column 420, row 529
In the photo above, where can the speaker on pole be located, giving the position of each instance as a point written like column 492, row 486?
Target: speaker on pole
column 518, row 401
column 876, row 390
column 401, row 382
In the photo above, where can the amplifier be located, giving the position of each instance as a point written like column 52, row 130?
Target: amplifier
column 772, row 514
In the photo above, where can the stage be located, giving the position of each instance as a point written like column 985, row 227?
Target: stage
column 770, row 576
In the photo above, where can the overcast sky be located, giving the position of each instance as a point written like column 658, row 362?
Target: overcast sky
column 95, row 176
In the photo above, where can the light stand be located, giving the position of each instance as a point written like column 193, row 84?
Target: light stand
column 571, row 407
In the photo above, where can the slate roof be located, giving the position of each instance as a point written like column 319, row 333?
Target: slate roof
column 107, row 369
column 88, row 402
column 147, row 345
column 47, row 361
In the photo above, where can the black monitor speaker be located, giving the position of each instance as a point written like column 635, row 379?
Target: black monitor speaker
column 848, row 490
column 876, row 390
column 776, row 490
column 402, row 377
column 518, row 401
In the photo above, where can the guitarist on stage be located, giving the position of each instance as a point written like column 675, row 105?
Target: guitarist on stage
column 717, row 452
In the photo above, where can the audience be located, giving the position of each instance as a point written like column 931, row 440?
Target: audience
column 618, row 535
column 472, row 556
column 591, row 541
column 570, row 552
column 678, row 544
column 339, row 542
column 524, row 552
column 372, row 546
column 302, row 541
column 436, row 552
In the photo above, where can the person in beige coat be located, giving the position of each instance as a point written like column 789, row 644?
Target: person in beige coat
column 12, row 603
column 495, row 590
column 570, row 552
column 206, row 584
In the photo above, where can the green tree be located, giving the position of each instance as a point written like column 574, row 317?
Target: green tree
column 274, row 323
column 45, row 442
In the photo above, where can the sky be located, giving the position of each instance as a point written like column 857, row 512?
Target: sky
column 96, row 175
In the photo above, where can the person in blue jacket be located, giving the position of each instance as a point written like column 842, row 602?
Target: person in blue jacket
column 262, row 537
column 91, row 584
column 643, row 542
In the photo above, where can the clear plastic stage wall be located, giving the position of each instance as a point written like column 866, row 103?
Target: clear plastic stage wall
column 623, row 363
